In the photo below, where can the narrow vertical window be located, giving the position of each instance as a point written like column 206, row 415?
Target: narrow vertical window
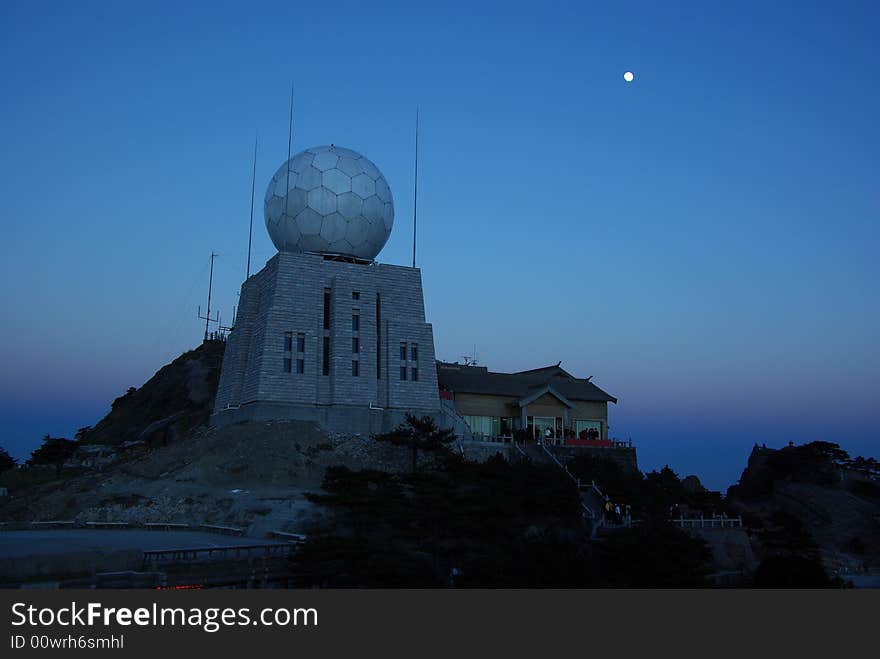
column 414, row 352
column 326, row 308
column 355, row 345
column 325, row 352
column 415, row 373
column 403, row 372
column 300, row 366
column 288, row 341
column 355, row 367
column 300, row 342
column 378, row 337
column 287, row 364
column 403, row 352
column 355, row 322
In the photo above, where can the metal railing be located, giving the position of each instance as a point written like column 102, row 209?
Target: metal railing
column 106, row 525
column 707, row 522
column 463, row 427
column 229, row 552
column 290, row 537
column 226, row 530
column 590, row 513
column 166, row 526
column 555, row 441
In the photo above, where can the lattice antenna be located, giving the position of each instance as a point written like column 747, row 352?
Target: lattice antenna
column 207, row 317
column 471, row 360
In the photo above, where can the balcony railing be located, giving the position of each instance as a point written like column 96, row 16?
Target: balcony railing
column 559, row 441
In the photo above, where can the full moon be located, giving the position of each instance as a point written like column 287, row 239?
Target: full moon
column 628, row 76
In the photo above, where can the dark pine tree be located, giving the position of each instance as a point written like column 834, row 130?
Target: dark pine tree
column 419, row 434
column 6, row 461
column 53, row 451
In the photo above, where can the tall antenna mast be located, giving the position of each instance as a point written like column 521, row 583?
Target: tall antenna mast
column 416, row 189
column 251, row 227
column 207, row 317
column 289, row 140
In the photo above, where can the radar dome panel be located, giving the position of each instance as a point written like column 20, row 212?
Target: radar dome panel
column 329, row 200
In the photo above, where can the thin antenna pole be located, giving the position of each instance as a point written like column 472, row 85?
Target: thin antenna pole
column 289, row 142
column 251, row 227
column 210, row 287
column 416, row 189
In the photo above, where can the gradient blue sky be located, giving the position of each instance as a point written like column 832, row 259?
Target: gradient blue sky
column 702, row 241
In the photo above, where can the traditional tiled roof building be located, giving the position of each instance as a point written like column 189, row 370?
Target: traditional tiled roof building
column 546, row 402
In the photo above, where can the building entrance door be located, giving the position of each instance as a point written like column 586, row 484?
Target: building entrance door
column 542, row 423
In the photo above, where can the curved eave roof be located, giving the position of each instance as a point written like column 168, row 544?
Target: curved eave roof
column 479, row 380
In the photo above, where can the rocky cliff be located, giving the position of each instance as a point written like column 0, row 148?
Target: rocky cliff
column 812, row 499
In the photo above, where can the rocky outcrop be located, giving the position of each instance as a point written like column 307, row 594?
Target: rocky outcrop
column 831, row 498
column 692, row 485
column 731, row 549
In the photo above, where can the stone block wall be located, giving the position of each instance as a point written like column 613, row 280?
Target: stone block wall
column 287, row 296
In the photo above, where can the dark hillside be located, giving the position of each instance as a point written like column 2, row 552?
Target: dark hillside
column 177, row 399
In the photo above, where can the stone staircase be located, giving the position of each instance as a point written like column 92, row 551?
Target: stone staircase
column 450, row 418
column 591, row 497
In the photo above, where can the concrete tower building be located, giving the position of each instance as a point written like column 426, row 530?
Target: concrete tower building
column 323, row 332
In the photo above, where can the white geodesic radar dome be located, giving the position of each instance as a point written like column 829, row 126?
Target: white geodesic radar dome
column 329, row 200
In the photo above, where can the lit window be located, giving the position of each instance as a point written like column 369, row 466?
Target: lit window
column 483, row 426
column 585, row 429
